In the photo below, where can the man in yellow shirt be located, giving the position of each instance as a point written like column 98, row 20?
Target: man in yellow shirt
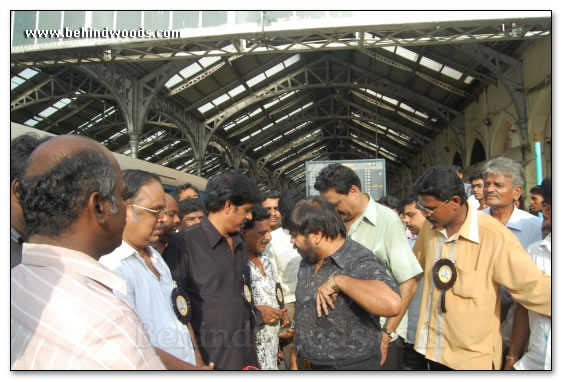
column 466, row 256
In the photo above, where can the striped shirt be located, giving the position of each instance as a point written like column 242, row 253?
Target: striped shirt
column 65, row 316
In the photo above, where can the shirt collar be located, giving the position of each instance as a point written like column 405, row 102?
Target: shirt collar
column 516, row 220
column 369, row 213
column 125, row 250
column 214, row 236
column 16, row 235
column 546, row 243
column 469, row 228
column 339, row 256
column 43, row 255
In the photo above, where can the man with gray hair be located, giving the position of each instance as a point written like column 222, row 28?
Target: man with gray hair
column 63, row 313
column 504, row 179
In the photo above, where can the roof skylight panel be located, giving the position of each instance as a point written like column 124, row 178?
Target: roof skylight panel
column 245, row 138
column 208, row 61
column 468, row 80
column 390, row 100
column 421, row 114
column 257, row 111
column 15, row 82
column 176, row 79
column 255, row 80
column 205, row 108
column 22, row 77
column 118, row 134
column 267, row 127
column 236, row 91
column 48, row 111
column 276, row 69
column 406, row 107
column 219, row 100
column 406, row 53
column 189, row 71
column 62, row 103
column 31, row 122
column 451, row 72
column 292, row 60
column 431, row 64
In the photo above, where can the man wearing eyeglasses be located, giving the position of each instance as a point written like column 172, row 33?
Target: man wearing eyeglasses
column 149, row 282
column 467, row 255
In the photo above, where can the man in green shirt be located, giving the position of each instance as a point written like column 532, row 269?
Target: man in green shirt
column 379, row 229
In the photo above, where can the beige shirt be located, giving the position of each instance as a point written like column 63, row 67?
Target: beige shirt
column 65, row 316
column 486, row 255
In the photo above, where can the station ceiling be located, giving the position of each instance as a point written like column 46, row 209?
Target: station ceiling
column 268, row 103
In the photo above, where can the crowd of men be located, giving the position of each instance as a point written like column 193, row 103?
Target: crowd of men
column 111, row 272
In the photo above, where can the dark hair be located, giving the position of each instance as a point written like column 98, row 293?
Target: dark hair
column 270, row 195
column 440, row 182
column 53, row 200
column 536, row 190
column 187, row 206
column 477, row 175
column 288, row 200
column 259, row 214
column 337, row 176
column 390, row 201
column 315, row 214
column 546, row 190
column 230, row 185
column 134, row 180
column 183, row 187
column 20, row 149
column 408, row 200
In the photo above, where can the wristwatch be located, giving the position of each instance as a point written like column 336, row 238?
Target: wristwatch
column 387, row 331
column 332, row 284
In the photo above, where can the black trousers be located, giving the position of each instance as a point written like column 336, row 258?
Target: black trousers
column 413, row 360
column 372, row 363
column 394, row 358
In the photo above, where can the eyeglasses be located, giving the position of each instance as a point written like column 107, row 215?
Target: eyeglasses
column 428, row 211
column 156, row 213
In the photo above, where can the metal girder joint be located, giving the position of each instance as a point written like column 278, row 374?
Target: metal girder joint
column 493, row 61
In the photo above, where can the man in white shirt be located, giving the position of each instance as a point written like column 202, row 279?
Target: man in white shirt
column 148, row 278
column 528, row 325
column 287, row 259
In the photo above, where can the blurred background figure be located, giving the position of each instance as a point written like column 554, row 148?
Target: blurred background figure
column 186, row 191
column 190, row 212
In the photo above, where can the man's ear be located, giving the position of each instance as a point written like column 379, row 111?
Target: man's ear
column 15, row 188
column 228, row 206
column 99, row 207
column 316, row 237
column 517, row 193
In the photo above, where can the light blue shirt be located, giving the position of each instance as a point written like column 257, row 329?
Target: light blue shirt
column 524, row 225
column 152, row 299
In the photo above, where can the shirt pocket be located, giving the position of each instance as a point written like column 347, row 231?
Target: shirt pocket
column 465, row 284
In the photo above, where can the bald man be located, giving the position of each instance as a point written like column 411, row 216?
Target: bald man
column 63, row 312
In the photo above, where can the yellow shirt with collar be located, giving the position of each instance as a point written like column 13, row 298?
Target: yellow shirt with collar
column 486, row 255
